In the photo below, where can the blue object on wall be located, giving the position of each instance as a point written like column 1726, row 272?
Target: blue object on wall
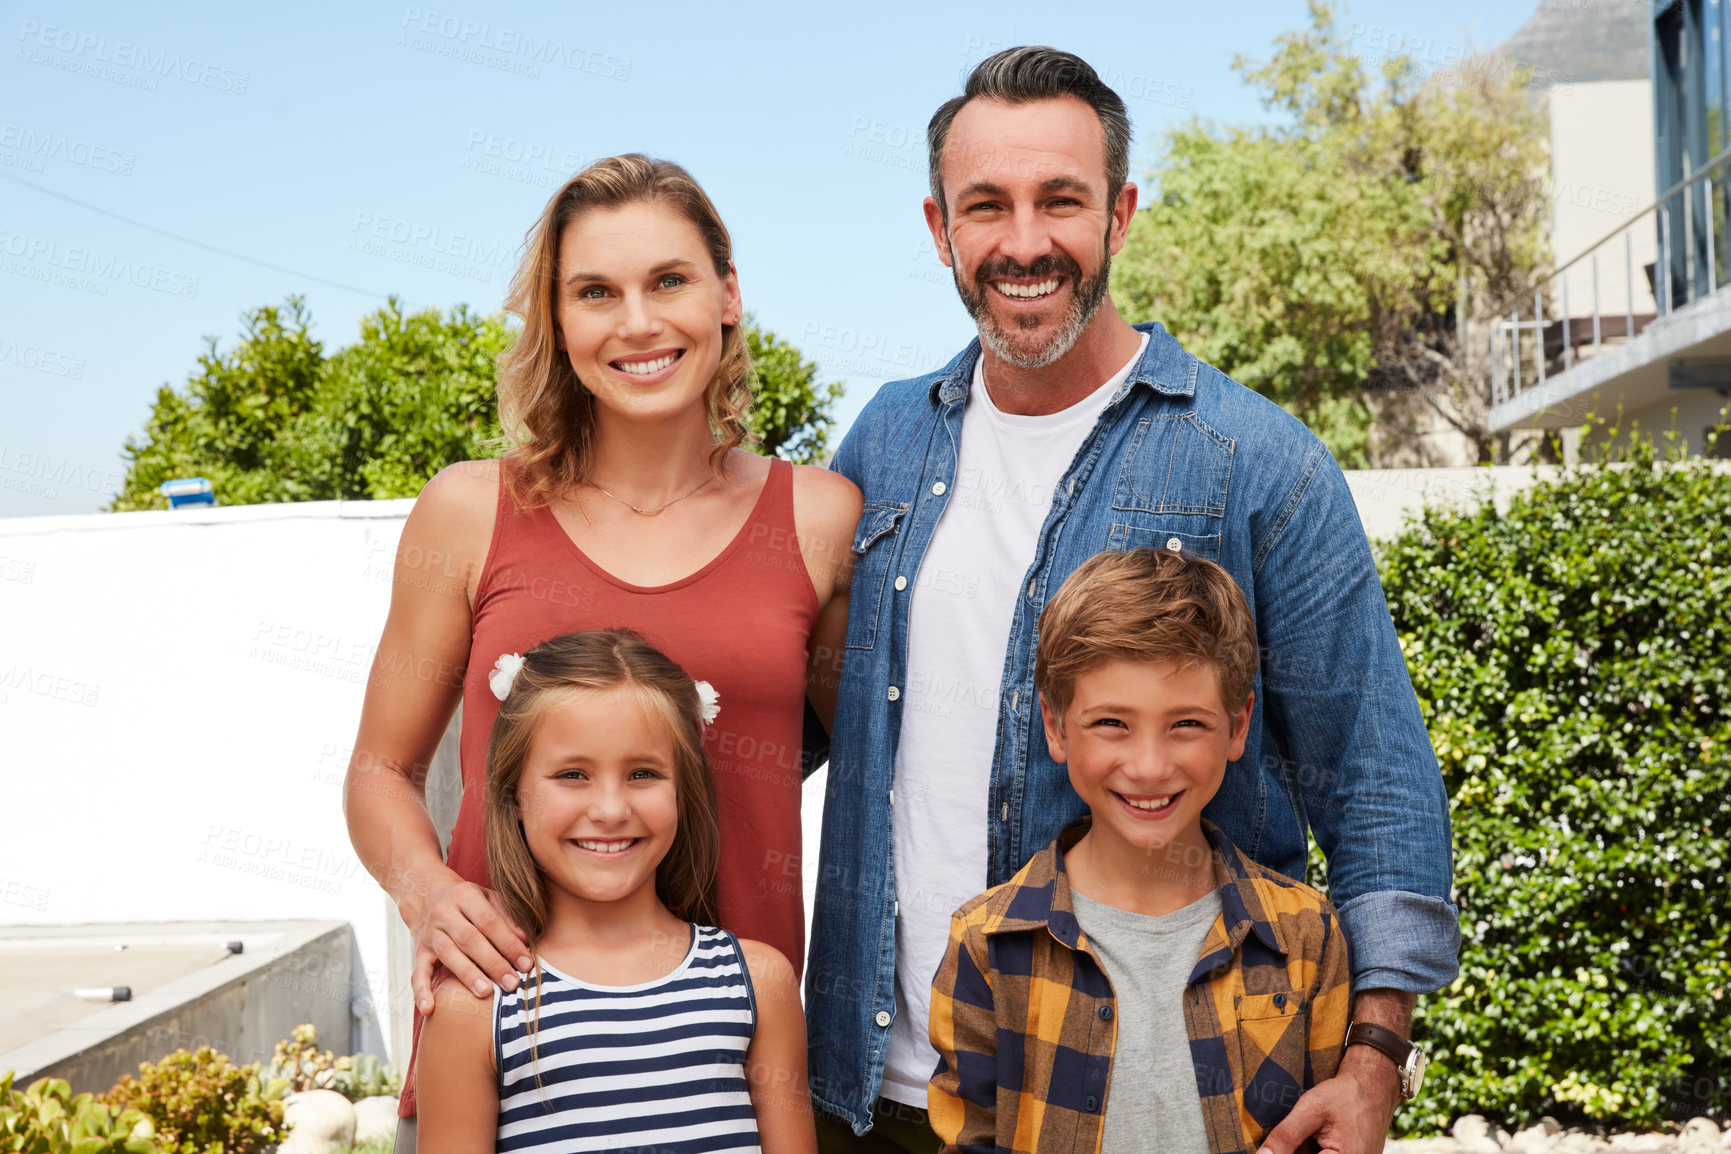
column 188, row 491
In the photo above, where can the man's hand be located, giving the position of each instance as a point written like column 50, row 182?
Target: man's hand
column 1350, row 1112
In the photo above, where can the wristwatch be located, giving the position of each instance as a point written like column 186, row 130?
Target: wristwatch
column 1407, row 1058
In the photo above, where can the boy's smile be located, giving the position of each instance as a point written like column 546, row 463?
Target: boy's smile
column 1147, row 743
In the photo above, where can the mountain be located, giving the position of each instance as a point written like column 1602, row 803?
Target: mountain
column 1572, row 40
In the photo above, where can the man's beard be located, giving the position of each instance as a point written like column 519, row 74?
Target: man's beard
column 1085, row 300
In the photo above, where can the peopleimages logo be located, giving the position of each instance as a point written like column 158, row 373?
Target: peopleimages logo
column 135, row 57
column 54, row 146
column 90, row 262
column 461, row 33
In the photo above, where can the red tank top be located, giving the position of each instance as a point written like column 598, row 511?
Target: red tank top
column 741, row 622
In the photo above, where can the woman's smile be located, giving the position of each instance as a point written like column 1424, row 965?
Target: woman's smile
column 649, row 368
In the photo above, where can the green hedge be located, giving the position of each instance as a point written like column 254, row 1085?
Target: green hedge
column 1571, row 659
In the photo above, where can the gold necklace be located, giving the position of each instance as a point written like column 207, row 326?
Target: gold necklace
column 648, row 512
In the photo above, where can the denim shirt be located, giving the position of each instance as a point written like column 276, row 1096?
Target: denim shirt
column 1182, row 457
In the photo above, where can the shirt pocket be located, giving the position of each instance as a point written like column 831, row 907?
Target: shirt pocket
column 874, row 550
column 1172, row 486
column 1273, row 1041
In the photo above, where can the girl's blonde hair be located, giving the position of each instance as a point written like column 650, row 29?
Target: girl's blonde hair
column 552, row 672
column 545, row 413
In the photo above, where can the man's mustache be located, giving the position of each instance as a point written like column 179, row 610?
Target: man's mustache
column 1003, row 268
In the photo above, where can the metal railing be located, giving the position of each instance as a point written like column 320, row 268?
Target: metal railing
column 1689, row 223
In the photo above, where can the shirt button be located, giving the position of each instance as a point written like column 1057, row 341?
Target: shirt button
column 1092, row 1104
column 1175, row 544
column 1280, row 1001
column 895, row 694
column 938, row 489
column 883, row 1019
column 1105, row 1013
column 901, row 583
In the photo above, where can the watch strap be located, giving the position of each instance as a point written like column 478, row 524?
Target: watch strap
column 1377, row 1038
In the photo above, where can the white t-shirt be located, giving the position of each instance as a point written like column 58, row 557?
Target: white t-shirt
column 964, row 601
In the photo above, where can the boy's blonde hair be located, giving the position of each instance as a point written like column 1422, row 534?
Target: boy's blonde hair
column 1146, row 605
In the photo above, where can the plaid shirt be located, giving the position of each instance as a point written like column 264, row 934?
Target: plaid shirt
column 1024, row 1020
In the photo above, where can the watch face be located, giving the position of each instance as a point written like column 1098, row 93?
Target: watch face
column 1414, row 1073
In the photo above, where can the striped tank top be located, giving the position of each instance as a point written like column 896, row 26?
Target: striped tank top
column 658, row 1066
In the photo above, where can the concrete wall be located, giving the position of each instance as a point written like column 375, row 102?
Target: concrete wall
column 242, row 1006
column 179, row 692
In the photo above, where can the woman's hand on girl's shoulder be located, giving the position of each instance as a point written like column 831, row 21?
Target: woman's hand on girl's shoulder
column 775, row 1063
column 456, row 1081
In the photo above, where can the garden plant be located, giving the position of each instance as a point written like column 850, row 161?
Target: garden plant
column 1570, row 657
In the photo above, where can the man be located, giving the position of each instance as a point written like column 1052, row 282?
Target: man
column 1061, row 432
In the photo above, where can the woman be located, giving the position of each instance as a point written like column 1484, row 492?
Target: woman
column 624, row 502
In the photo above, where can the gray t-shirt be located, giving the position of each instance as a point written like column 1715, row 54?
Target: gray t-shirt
column 1152, row 1102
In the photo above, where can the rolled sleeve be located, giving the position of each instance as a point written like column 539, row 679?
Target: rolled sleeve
column 1402, row 941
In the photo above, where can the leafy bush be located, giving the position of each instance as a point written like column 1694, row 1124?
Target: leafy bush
column 277, row 419
column 46, row 1119
column 202, row 1103
column 299, row 1064
column 1570, row 659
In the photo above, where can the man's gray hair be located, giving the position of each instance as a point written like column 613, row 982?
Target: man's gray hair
column 1030, row 73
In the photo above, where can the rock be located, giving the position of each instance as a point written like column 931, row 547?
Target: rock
column 317, row 1120
column 1643, row 1143
column 1532, row 1140
column 1575, row 1142
column 1550, row 1125
column 1470, row 1127
column 1473, row 1134
column 375, row 1118
column 1699, row 1135
column 1422, row 1146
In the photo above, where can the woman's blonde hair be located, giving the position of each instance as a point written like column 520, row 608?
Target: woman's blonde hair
column 552, row 673
column 546, row 414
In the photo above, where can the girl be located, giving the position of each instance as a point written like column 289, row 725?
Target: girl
column 641, row 1027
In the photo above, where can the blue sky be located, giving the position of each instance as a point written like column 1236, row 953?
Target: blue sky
column 350, row 151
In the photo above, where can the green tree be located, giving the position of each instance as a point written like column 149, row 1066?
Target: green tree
column 414, row 394
column 789, row 409
column 275, row 419
column 1335, row 262
column 228, row 425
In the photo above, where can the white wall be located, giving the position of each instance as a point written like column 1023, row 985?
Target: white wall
column 179, row 692
column 1602, row 177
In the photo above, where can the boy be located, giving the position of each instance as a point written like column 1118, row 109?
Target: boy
column 1140, row 984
